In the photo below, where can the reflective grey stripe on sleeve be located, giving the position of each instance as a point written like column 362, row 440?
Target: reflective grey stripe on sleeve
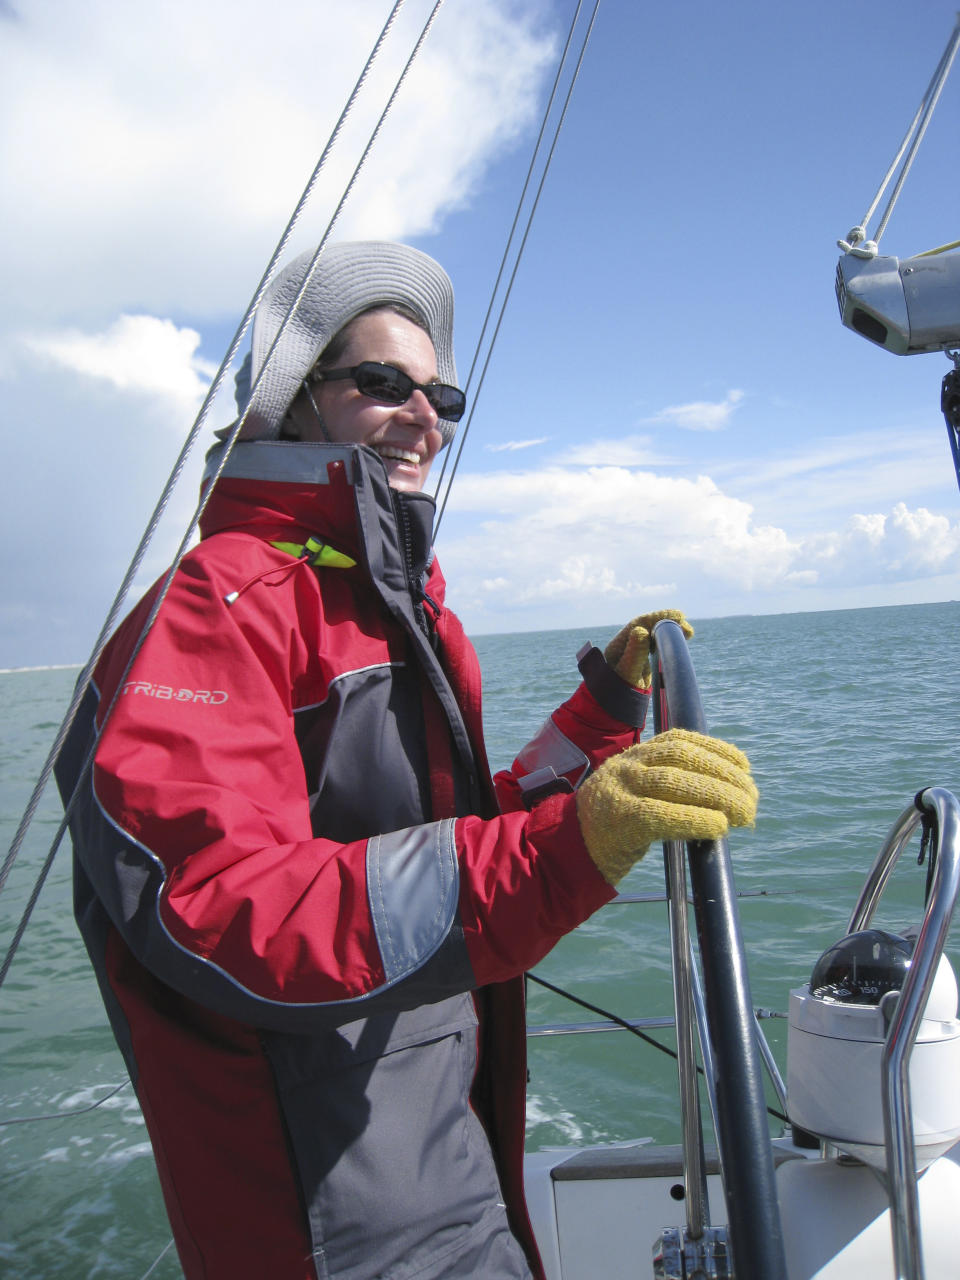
column 551, row 749
column 413, row 886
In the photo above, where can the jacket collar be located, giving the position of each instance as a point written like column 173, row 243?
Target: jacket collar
column 289, row 490
column 286, row 491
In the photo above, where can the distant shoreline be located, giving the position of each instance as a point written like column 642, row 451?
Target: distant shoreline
column 610, row 626
column 54, row 666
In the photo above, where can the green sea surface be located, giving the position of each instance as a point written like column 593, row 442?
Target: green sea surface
column 844, row 715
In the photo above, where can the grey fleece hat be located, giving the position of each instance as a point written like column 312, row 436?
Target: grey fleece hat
column 350, row 277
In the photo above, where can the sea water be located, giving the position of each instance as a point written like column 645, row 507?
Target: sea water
column 845, row 716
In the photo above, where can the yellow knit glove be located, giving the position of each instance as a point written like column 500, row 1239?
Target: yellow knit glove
column 629, row 650
column 678, row 786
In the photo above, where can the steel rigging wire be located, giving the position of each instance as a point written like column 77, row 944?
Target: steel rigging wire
column 856, row 241
column 523, row 241
column 115, row 611
column 114, row 614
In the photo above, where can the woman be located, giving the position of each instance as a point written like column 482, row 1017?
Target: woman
column 307, row 910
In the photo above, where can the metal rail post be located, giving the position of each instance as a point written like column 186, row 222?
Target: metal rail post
column 756, row 1235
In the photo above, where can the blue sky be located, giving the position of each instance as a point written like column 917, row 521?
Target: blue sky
column 673, row 413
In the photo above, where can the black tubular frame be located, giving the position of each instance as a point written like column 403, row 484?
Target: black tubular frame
column 950, row 406
column 743, row 1135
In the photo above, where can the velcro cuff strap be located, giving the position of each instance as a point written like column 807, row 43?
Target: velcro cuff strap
column 615, row 696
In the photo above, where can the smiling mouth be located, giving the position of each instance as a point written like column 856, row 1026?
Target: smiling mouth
column 398, row 454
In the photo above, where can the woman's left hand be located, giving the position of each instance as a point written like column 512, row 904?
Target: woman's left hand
column 629, row 650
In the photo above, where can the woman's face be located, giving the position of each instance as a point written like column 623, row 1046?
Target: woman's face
column 406, row 436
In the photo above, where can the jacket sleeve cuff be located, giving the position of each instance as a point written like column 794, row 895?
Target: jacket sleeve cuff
column 615, row 696
column 553, row 826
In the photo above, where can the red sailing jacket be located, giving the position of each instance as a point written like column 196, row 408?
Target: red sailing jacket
column 291, row 870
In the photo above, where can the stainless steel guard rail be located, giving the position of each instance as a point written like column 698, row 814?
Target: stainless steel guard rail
column 743, row 1136
column 942, row 807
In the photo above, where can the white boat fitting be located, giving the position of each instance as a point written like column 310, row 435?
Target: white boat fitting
column 613, row 1204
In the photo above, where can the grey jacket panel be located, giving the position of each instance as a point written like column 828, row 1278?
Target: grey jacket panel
column 395, row 1170
column 387, row 1096
column 369, row 727
column 364, row 754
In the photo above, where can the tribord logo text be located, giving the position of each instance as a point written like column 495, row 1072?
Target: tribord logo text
column 212, row 697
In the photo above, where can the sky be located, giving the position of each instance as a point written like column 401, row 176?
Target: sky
column 672, row 414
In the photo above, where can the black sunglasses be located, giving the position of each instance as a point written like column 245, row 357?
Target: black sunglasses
column 390, row 385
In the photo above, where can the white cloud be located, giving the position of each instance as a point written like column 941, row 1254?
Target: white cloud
column 156, row 151
column 604, row 538
column 628, row 451
column 151, row 155
column 875, row 547
column 701, row 415
column 802, row 578
column 140, row 354
column 514, row 446
column 566, row 543
column 89, row 461
column 815, row 483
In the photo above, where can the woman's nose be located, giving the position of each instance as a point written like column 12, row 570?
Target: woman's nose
column 420, row 408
